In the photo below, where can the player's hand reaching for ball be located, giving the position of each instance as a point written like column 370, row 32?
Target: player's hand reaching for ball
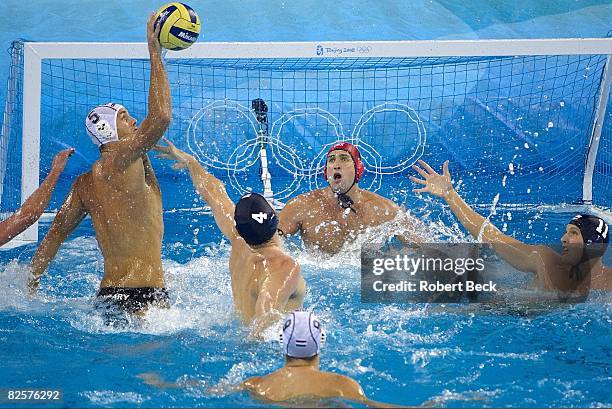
column 153, row 35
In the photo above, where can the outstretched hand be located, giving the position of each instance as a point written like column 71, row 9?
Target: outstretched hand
column 171, row 152
column 60, row 160
column 436, row 184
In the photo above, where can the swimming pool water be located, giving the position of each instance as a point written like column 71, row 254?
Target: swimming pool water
column 447, row 355
column 455, row 355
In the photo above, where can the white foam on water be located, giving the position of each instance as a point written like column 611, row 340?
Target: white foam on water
column 200, row 292
column 112, row 397
column 14, row 286
column 481, row 395
column 239, row 372
column 399, row 334
column 200, row 296
column 423, row 357
column 355, row 368
column 528, row 356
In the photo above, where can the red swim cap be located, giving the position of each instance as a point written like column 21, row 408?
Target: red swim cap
column 354, row 152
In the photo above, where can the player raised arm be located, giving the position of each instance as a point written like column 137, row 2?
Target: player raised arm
column 211, row 189
column 160, row 107
column 36, row 204
column 521, row 256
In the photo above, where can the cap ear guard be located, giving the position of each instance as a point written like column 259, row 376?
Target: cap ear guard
column 280, row 337
column 317, row 324
column 281, row 331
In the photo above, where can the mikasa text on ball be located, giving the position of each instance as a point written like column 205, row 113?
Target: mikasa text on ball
column 180, row 26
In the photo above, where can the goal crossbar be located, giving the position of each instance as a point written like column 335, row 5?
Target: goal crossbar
column 354, row 49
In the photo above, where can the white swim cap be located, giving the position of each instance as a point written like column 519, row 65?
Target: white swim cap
column 101, row 123
column 302, row 335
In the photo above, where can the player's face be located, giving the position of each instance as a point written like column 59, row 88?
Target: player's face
column 340, row 170
column 572, row 245
column 126, row 125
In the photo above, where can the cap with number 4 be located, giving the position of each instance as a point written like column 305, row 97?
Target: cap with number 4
column 256, row 220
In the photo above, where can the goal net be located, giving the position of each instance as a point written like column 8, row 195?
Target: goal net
column 525, row 119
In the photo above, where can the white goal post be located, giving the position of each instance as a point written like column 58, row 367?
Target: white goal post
column 35, row 53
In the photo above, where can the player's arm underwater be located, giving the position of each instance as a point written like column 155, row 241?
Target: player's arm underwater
column 160, row 108
column 211, row 189
column 35, row 205
column 523, row 257
column 67, row 219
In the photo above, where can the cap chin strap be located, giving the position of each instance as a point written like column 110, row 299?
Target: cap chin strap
column 344, row 199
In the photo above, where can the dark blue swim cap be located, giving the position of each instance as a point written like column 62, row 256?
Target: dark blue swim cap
column 595, row 235
column 256, row 220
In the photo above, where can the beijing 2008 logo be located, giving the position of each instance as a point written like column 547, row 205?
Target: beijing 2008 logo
column 343, row 50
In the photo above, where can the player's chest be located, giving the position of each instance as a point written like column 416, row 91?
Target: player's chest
column 338, row 221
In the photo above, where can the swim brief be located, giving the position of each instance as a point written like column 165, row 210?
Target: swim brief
column 132, row 300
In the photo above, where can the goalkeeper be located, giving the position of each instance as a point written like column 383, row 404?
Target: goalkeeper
column 328, row 218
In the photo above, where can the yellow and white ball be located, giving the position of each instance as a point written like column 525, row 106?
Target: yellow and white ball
column 180, row 26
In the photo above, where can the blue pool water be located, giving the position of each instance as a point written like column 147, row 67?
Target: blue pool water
column 457, row 355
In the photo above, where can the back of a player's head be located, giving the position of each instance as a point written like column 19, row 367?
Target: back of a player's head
column 302, row 335
column 256, row 220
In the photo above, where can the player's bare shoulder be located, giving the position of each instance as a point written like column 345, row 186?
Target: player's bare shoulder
column 544, row 256
column 101, row 169
column 343, row 385
column 283, row 264
column 83, row 183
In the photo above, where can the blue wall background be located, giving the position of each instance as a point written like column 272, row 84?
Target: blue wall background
column 307, row 20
